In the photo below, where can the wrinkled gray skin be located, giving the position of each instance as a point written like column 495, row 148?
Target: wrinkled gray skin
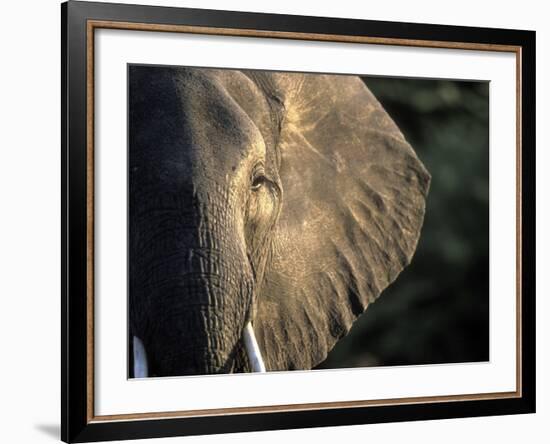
column 291, row 200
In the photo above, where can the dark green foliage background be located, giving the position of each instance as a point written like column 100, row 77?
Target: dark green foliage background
column 437, row 311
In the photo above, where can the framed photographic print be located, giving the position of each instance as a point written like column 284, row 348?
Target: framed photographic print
column 277, row 221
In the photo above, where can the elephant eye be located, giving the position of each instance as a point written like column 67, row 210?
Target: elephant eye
column 258, row 182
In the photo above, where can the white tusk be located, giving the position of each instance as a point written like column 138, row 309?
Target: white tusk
column 252, row 349
column 140, row 359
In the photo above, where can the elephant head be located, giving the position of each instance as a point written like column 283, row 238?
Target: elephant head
column 267, row 211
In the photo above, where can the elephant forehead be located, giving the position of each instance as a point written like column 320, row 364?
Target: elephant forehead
column 218, row 127
column 252, row 98
column 187, row 121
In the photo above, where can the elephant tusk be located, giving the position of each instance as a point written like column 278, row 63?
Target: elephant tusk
column 140, row 359
column 252, row 349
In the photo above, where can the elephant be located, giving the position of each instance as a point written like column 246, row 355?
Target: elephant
column 267, row 210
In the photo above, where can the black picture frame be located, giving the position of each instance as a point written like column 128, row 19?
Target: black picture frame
column 77, row 425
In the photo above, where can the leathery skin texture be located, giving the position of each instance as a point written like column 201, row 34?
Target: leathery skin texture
column 287, row 200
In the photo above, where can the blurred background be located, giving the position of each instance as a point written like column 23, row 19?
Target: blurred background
column 437, row 311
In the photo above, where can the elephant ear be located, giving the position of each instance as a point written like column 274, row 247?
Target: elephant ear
column 353, row 205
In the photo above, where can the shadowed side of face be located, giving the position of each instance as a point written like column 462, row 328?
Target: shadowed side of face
column 203, row 194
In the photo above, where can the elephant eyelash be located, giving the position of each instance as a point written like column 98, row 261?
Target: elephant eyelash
column 258, row 182
column 258, row 178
